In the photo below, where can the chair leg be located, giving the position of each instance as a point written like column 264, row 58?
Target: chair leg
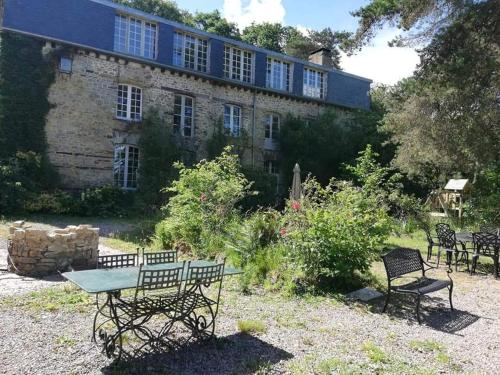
column 386, row 301
column 450, row 290
column 429, row 252
column 418, row 309
column 439, row 255
column 456, row 262
column 495, row 267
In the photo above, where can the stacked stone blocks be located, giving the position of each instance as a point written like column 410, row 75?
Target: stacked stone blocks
column 36, row 252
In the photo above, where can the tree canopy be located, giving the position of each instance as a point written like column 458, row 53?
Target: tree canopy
column 445, row 119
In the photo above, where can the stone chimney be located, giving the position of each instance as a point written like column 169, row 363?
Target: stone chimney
column 322, row 56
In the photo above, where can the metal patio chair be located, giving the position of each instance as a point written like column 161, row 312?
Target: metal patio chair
column 117, row 261
column 448, row 243
column 199, row 310
column 401, row 262
column 160, row 257
column 486, row 245
column 432, row 241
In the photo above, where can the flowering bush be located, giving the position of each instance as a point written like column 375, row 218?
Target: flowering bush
column 337, row 232
column 203, row 208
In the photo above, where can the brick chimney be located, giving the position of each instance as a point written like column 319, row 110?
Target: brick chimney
column 322, row 56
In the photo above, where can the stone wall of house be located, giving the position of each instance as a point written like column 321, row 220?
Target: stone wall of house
column 36, row 252
column 82, row 128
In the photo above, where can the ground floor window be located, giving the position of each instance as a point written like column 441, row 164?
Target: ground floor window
column 126, row 164
column 271, row 167
column 232, row 119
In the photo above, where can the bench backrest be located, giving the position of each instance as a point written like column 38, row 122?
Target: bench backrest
column 401, row 261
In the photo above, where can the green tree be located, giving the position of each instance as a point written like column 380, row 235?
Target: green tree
column 323, row 146
column 157, row 156
column 446, row 119
column 266, row 35
column 162, row 8
column 423, row 17
column 213, row 22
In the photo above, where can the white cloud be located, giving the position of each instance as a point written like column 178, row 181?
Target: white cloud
column 257, row 11
column 381, row 63
column 304, row 30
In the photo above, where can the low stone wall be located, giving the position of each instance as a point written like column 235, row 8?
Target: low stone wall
column 36, row 252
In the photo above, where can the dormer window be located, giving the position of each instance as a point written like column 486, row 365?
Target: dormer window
column 190, row 52
column 135, row 36
column 238, row 64
column 278, row 75
column 314, row 85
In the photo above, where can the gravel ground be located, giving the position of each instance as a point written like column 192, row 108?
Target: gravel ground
column 302, row 336
column 314, row 335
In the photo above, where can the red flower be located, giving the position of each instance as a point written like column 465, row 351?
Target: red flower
column 295, row 206
column 283, row 232
column 203, row 197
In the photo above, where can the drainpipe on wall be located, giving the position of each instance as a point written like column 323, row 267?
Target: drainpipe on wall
column 253, row 126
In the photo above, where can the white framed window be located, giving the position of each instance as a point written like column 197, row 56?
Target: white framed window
column 129, row 105
column 238, row 64
column 125, row 166
column 135, row 36
column 314, row 85
column 183, row 115
column 271, row 167
column 66, row 64
column 232, row 119
column 272, row 130
column 278, row 75
column 190, row 52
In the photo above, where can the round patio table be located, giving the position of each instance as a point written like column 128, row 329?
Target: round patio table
column 464, row 237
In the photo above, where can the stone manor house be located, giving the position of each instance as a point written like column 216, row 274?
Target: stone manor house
column 117, row 62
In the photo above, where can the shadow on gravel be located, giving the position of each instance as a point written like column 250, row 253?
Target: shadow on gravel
column 435, row 312
column 236, row 354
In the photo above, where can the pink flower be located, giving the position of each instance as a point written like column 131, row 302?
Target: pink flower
column 283, row 232
column 203, row 197
column 295, row 206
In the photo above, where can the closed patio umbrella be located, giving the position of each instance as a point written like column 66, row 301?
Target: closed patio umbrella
column 296, row 191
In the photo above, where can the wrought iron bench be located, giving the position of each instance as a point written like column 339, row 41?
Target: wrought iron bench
column 402, row 261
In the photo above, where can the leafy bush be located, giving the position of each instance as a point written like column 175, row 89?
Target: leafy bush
column 58, row 202
column 105, row 201
column 335, row 232
column 484, row 206
column 203, row 208
column 21, row 178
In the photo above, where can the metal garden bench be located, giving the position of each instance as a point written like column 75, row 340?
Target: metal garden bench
column 401, row 262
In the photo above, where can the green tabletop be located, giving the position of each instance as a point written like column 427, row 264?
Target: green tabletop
column 108, row 280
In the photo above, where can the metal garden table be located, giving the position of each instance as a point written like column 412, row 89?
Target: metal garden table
column 119, row 316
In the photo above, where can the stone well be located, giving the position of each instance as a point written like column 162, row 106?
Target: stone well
column 36, row 252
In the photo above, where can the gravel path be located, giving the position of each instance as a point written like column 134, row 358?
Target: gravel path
column 303, row 336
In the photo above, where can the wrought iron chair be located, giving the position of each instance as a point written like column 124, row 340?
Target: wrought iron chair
column 158, row 292
column 196, row 302
column 117, row 261
column 448, row 243
column 442, row 228
column 402, row 261
column 487, row 245
column 431, row 242
column 490, row 229
column 160, row 257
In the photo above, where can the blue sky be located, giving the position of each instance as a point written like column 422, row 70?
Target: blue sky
column 376, row 61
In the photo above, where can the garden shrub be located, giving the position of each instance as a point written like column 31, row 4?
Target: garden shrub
column 335, row 232
column 203, row 207
column 21, row 178
column 106, row 201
